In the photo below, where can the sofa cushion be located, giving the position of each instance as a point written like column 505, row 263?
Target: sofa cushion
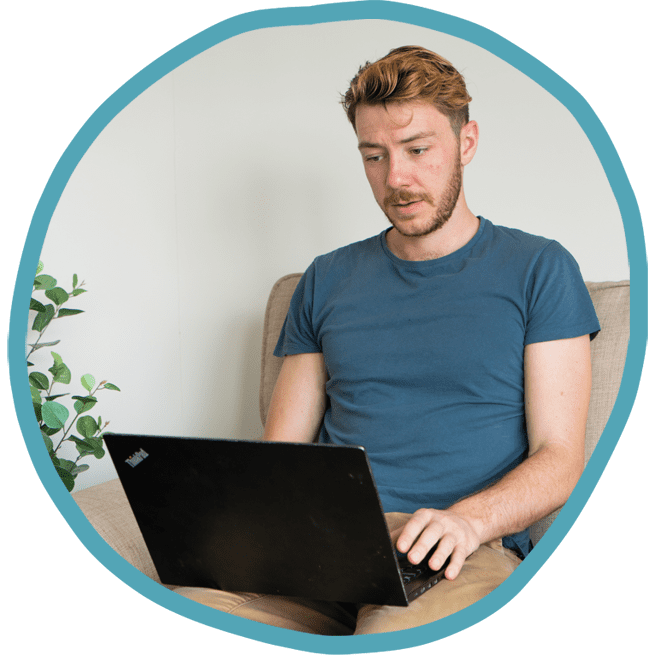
column 109, row 512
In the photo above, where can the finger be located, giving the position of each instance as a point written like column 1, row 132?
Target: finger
column 428, row 538
column 457, row 559
column 394, row 534
column 443, row 551
column 410, row 532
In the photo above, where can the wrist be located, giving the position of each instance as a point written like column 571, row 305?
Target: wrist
column 473, row 518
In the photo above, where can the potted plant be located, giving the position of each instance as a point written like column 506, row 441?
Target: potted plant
column 66, row 446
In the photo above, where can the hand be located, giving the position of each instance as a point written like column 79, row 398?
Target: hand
column 456, row 536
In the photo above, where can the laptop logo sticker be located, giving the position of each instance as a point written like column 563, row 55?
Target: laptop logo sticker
column 137, row 458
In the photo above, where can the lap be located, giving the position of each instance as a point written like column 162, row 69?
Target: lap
column 299, row 614
column 482, row 572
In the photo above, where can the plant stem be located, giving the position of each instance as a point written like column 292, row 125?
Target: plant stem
column 36, row 343
column 65, row 433
column 42, row 332
column 73, row 422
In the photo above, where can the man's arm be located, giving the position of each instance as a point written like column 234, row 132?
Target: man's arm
column 298, row 401
column 557, row 391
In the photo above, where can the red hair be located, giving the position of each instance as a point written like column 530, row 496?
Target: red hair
column 410, row 73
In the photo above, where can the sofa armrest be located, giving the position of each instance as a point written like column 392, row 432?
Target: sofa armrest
column 109, row 512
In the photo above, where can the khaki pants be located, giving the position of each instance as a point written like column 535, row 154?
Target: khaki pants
column 482, row 572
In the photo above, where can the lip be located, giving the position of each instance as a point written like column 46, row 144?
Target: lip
column 409, row 208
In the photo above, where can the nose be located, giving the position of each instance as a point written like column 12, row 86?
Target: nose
column 398, row 173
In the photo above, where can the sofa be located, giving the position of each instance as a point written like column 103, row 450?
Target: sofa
column 108, row 510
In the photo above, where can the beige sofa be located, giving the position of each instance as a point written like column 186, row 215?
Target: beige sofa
column 107, row 508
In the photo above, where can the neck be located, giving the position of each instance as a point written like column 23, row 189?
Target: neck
column 456, row 233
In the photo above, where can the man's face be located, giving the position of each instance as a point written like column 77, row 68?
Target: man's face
column 412, row 162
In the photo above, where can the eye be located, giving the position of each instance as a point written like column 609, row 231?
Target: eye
column 372, row 158
column 419, row 151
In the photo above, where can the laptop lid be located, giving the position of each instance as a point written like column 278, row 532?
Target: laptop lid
column 265, row 517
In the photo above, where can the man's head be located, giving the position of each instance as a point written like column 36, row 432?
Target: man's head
column 406, row 74
column 410, row 113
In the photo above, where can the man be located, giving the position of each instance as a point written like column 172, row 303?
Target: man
column 456, row 351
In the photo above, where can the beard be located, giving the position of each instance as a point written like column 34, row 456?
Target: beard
column 443, row 208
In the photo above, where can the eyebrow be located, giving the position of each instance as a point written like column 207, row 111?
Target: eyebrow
column 421, row 135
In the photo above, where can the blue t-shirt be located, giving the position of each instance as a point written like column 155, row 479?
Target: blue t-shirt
column 425, row 358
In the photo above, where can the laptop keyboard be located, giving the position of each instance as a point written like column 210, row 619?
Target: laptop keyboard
column 412, row 571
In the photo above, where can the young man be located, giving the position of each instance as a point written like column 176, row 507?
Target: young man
column 456, row 351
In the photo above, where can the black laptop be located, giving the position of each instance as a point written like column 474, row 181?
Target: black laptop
column 289, row 519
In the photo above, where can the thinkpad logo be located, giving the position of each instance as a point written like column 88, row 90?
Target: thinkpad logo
column 137, row 458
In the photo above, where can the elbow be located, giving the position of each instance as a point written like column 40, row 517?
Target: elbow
column 565, row 467
column 570, row 476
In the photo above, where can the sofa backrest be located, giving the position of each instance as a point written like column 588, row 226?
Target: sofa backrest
column 608, row 352
column 276, row 311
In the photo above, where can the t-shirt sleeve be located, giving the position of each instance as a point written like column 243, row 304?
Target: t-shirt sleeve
column 559, row 305
column 297, row 334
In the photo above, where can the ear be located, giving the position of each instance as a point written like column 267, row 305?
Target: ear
column 468, row 141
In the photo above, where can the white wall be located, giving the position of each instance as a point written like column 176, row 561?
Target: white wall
column 240, row 167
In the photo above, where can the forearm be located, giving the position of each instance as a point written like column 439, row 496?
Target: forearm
column 532, row 490
column 535, row 488
column 557, row 389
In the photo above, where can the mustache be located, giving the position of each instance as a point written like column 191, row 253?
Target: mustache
column 401, row 195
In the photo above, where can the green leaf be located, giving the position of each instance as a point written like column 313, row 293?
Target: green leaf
column 66, row 478
column 39, row 380
column 49, row 431
column 36, row 346
column 112, row 387
column 89, row 446
column 60, row 372
column 54, row 415
column 87, row 426
column 43, row 318
column 39, row 267
column 84, row 447
column 74, row 280
column 80, row 469
column 88, row 381
column 84, row 403
column 48, row 443
column 69, row 312
column 57, row 395
column 77, row 292
column 44, row 282
column 67, row 464
column 36, row 305
column 37, row 411
column 36, row 395
column 58, row 295
column 98, row 452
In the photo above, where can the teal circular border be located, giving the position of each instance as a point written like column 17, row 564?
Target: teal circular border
column 371, row 9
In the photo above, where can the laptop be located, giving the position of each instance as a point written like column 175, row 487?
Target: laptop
column 288, row 519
